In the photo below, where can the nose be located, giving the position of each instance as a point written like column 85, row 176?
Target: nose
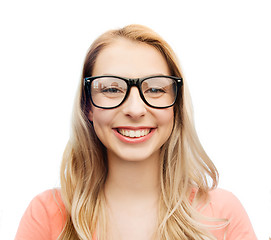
column 134, row 106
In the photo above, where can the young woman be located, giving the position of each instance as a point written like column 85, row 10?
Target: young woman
column 134, row 167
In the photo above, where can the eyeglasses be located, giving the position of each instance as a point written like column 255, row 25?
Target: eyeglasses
column 109, row 92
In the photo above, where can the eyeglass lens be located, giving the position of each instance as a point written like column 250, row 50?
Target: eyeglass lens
column 110, row 91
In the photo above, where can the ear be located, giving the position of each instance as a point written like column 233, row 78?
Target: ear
column 90, row 115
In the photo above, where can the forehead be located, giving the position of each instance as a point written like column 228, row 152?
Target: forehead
column 131, row 59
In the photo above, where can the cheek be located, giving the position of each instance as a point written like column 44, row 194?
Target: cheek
column 98, row 119
column 96, row 115
column 166, row 116
column 101, row 121
column 165, row 122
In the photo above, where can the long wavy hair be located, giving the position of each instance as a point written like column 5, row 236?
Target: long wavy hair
column 184, row 165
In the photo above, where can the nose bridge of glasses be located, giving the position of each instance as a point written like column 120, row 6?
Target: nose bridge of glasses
column 133, row 82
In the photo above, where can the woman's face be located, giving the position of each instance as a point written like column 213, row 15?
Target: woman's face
column 116, row 128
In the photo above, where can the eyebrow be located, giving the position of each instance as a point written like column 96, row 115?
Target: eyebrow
column 151, row 75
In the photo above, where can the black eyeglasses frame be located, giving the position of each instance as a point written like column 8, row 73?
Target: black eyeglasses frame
column 131, row 82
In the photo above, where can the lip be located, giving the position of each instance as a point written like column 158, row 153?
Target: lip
column 136, row 139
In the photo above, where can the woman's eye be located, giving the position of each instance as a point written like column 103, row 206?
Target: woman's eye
column 110, row 90
column 155, row 90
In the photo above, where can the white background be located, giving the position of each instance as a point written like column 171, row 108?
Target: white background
column 224, row 50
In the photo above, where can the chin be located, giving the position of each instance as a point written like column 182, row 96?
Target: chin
column 139, row 157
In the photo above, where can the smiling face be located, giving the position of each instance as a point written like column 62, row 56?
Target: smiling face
column 132, row 131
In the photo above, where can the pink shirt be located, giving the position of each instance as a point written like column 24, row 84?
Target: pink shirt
column 44, row 218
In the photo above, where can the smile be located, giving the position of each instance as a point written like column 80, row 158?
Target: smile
column 134, row 133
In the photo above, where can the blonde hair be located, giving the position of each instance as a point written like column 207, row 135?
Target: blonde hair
column 184, row 163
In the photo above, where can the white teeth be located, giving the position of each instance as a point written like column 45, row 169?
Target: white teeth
column 134, row 133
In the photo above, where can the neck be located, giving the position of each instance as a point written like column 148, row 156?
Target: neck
column 132, row 180
column 132, row 198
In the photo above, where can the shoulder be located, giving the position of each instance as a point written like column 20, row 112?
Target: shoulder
column 44, row 218
column 224, row 201
column 224, row 205
column 50, row 200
